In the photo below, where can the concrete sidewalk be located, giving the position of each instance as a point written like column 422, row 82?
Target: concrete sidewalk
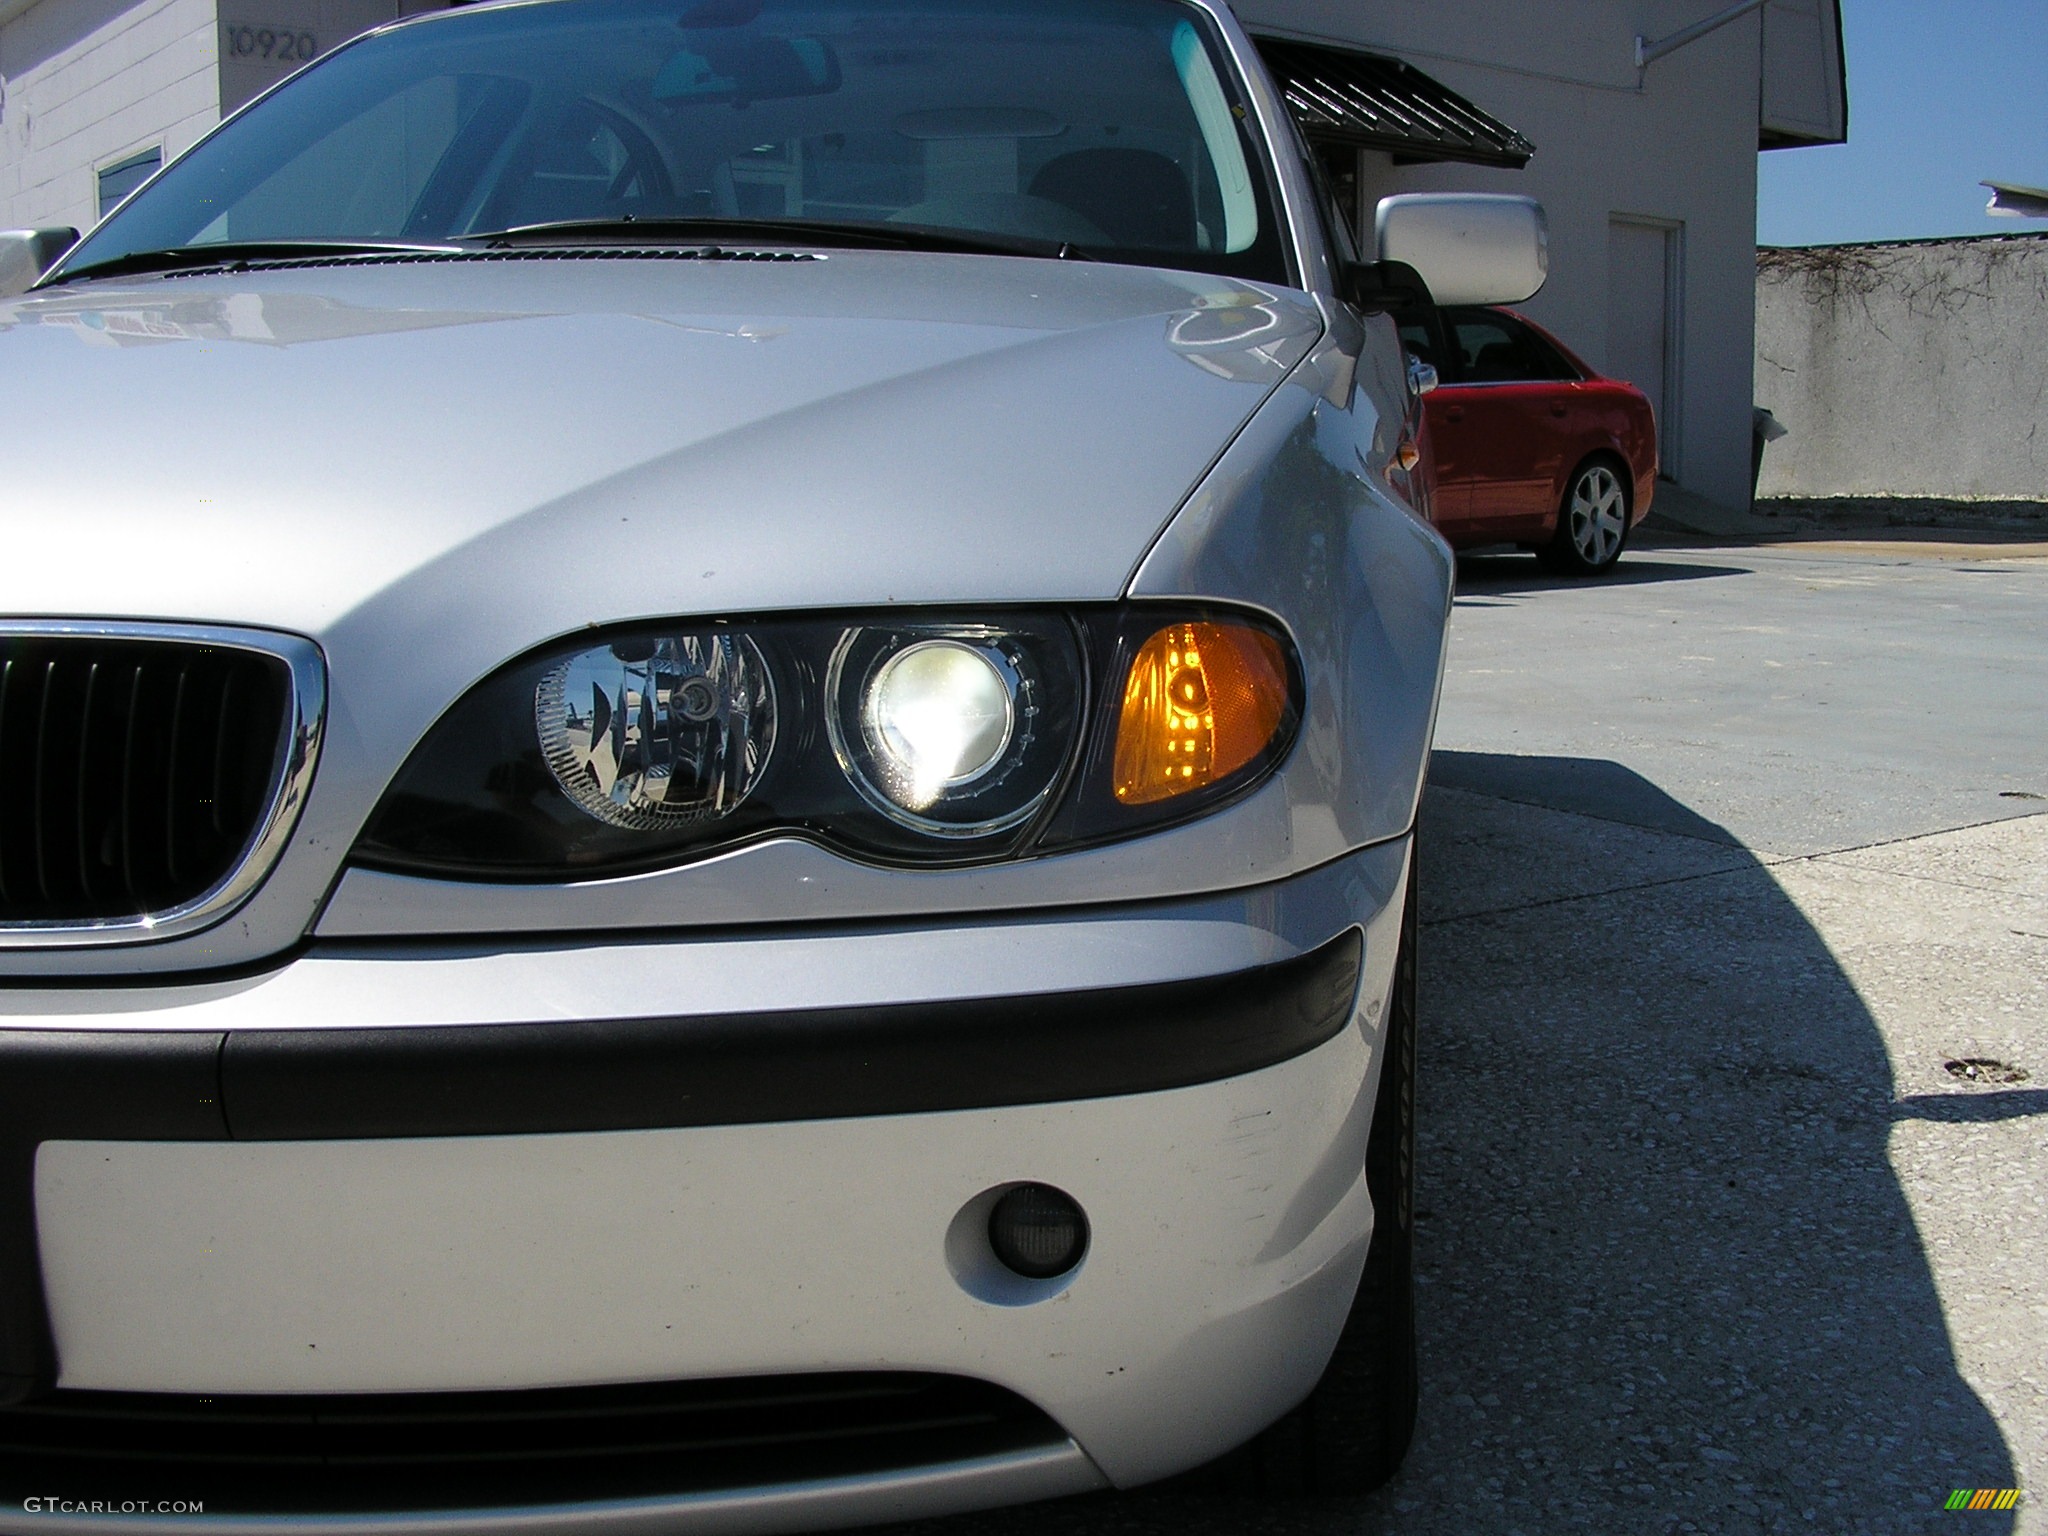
column 1679, row 514
column 1733, row 859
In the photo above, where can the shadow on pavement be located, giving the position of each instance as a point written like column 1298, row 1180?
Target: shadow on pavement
column 1669, row 1281
column 1494, row 576
column 1973, row 1108
column 1591, row 788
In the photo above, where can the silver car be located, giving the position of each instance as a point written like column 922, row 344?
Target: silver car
column 710, row 723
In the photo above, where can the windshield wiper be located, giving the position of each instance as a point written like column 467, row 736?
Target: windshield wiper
column 898, row 237
column 180, row 258
column 901, row 237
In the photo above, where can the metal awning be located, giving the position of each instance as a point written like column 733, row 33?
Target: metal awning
column 1342, row 96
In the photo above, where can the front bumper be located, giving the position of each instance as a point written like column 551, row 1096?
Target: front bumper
column 687, row 1194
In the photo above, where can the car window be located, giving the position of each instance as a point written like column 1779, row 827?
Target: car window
column 366, row 178
column 583, row 163
column 1113, row 125
column 1420, row 342
column 1493, row 349
column 1560, row 367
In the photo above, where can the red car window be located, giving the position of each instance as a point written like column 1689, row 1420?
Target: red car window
column 1494, row 348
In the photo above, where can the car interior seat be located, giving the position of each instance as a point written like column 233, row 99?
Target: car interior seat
column 583, row 168
column 1496, row 363
column 1137, row 197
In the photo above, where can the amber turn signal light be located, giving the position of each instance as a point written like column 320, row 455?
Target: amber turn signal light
column 1201, row 701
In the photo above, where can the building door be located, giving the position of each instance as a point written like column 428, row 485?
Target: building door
column 1645, row 344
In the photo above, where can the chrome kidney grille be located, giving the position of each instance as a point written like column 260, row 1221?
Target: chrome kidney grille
column 148, row 775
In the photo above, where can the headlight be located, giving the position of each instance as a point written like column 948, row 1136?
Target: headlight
column 919, row 739
column 940, row 731
column 937, row 715
column 659, row 733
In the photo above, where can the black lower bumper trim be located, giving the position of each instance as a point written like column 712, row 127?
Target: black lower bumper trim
column 627, row 1074
column 422, row 1452
column 630, row 1074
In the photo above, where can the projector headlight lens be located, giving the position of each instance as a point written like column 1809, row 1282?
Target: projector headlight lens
column 938, row 715
column 653, row 734
column 940, row 732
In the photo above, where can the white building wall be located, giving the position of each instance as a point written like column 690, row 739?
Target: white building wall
column 90, row 82
column 264, row 41
column 1677, row 143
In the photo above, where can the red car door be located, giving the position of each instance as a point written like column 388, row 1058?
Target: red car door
column 1498, row 456
column 1508, row 424
column 1450, row 452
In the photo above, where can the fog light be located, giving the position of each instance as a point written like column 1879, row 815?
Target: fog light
column 1037, row 1231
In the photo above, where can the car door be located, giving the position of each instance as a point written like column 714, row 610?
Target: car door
column 1499, row 430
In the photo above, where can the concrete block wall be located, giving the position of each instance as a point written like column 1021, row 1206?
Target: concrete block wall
column 89, row 82
column 1916, row 370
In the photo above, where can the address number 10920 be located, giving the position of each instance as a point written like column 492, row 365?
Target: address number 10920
column 280, row 44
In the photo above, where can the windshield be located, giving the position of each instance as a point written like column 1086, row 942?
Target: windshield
column 1111, row 126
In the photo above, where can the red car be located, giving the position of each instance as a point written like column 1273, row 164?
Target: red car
column 1524, row 444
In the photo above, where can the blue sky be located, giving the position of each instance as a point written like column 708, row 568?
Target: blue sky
column 1943, row 94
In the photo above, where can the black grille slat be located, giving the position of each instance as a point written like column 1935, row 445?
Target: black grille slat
column 299, row 1455
column 39, row 804
column 133, row 772
column 221, row 747
column 152, row 724
column 81, row 794
column 125, row 811
column 6, row 691
column 102, row 741
column 170, row 822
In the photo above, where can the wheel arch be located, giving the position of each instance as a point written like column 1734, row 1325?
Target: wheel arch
column 1592, row 450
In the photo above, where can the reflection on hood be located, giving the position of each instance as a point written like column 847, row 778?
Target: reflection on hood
column 1239, row 332
column 269, row 319
column 1243, row 335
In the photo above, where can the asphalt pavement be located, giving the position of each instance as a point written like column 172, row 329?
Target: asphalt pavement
column 1733, row 1182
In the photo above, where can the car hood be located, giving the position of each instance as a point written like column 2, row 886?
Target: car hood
column 505, row 449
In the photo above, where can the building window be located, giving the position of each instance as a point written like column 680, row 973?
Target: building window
column 124, row 176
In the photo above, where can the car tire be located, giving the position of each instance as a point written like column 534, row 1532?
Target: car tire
column 1593, row 520
column 1351, row 1433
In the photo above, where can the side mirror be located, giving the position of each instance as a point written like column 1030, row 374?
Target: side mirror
column 1422, row 377
column 26, row 254
column 1470, row 247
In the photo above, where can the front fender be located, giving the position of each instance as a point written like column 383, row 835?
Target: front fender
column 1297, row 518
